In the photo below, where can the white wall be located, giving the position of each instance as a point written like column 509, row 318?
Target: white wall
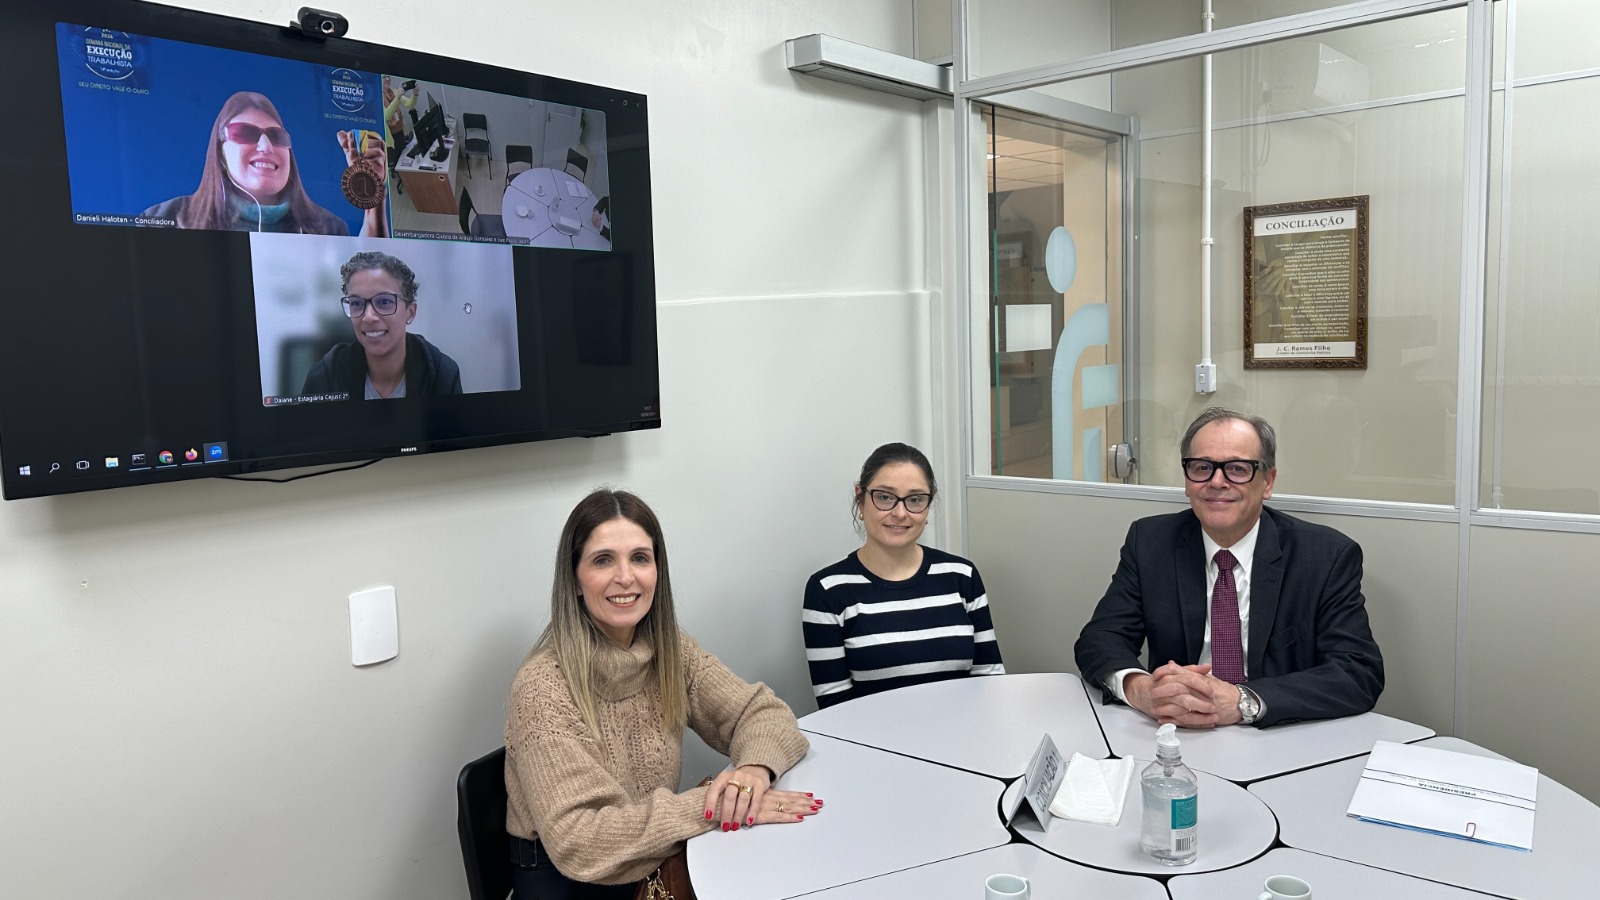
column 180, row 717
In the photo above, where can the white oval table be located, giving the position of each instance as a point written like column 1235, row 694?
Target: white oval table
column 1330, row 879
column 1311, row 806
column 1246, row 754
column 882, row 812
column 909, row 813
column 962, row 878
column 1234, row 827
column 988, row 724
column 551, row 209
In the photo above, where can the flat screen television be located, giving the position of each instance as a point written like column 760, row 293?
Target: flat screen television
column 222, row 257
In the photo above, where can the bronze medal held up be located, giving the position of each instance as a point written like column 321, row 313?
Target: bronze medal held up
column 362, row 183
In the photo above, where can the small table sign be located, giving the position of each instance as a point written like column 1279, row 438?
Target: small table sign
column 1040, row 783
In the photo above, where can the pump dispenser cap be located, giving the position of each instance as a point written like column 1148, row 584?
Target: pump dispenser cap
column 1167, row 737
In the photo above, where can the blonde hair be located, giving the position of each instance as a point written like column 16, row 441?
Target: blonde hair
column 573, row 637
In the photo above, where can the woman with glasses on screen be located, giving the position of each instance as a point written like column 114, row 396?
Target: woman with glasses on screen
column 251, row 182
column 384, row 362
column 895, row 613
column 596, row 714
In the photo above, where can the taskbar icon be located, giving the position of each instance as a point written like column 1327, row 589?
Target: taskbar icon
column 142, row 461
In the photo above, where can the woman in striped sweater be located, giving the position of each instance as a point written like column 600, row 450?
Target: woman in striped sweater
column 895, row 613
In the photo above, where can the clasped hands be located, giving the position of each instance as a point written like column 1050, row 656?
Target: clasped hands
column 744, row 797
column 1187, row 696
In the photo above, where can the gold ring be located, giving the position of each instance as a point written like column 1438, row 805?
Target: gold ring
column 780, row 807
column 744, row 788
column 741, row 787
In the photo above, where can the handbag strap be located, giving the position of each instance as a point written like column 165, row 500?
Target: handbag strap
column 652, row 888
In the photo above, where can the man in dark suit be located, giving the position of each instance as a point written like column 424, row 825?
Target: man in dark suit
column 1272, row 629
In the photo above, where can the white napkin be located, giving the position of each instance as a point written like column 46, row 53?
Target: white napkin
column 1093, row 790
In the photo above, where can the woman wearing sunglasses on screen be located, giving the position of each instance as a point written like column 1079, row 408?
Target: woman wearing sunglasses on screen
column 251, row 182
column 384, row 362
column 595, row 720
column 895, row 613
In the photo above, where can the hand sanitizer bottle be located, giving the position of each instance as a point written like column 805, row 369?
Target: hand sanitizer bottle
column 1171, row 812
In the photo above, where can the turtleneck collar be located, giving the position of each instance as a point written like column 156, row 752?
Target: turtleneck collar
column 246, row 209
column 620, row 672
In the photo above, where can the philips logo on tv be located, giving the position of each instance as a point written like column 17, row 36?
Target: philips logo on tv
column 347, row 89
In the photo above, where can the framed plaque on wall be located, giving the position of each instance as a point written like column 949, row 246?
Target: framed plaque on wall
column 1305, row 285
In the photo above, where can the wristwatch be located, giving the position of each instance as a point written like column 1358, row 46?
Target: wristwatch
column 1249, row 706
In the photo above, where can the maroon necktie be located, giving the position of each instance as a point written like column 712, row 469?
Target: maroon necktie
column 1227, row 652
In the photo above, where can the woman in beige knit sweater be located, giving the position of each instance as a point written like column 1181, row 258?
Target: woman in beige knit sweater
column 594, row 728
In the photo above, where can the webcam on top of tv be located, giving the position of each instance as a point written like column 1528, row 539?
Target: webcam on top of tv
column 319, row 23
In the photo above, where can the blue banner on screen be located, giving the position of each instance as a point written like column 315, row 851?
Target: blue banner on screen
column 170, row 134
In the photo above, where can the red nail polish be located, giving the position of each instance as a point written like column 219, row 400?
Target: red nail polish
column 724, row 826
column 708, row 813
column 808, row 793
column 750, row 821
column 799, row 818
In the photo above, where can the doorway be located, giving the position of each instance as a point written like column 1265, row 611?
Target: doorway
column 1059, row 254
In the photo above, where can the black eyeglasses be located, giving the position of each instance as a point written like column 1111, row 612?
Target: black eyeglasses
column 356, row 307
column 887, row 501
column 245, row 133
column 1238, row 471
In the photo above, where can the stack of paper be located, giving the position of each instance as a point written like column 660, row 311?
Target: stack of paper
column 1093, row 790
column 1454, row 794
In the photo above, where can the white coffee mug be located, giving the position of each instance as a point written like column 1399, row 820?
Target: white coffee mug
column 1285, row 887
column 1006, row 887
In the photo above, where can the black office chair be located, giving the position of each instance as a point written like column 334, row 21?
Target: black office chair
column 476, row 223
column 579, row 161
column 519, row 159
column 475, row 140
column 481, row 822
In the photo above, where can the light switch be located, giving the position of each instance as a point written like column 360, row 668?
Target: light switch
column 374, row 626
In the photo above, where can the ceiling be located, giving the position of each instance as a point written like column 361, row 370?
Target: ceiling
column 1018, row 163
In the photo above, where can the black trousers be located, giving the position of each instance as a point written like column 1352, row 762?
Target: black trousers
column 535, row 877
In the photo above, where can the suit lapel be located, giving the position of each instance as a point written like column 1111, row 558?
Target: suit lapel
column 1189, row 559
column 1266, row 584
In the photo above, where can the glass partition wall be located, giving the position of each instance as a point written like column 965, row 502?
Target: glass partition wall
column 1008, row 35
column 1450, row 457
column 1541, row 375
column 1308, row 101
column 1378, row 109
